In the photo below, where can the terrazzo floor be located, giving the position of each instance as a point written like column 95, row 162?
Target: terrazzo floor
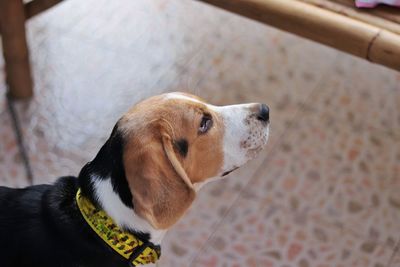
column 325, row 192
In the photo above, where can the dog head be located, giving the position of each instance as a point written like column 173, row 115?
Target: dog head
column 169, row 145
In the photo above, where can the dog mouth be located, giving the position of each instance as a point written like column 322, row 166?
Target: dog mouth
column 228, row 172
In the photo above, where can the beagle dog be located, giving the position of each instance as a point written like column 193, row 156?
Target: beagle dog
column 141, row 182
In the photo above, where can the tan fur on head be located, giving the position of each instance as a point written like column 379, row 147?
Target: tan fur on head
column 161, row 180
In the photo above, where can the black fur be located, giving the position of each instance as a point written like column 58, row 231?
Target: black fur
column 182, row 146
column 41, row 226
column 108, row 164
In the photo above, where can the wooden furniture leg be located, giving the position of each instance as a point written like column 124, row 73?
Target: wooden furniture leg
column 15, row 49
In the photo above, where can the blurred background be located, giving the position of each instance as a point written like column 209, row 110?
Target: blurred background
column 325, row 192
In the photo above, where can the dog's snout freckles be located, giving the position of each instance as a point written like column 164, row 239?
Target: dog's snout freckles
column 257, row 133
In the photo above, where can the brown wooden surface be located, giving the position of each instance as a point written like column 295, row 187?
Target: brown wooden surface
column 324, row 25
column 15, row 50
column 37, row 6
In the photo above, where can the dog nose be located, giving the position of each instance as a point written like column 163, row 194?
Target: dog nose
column 263, row 113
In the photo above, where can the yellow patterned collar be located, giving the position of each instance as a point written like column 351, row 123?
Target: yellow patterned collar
column 125, row 244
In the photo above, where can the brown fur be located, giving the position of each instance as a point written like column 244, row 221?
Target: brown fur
column 155, row 170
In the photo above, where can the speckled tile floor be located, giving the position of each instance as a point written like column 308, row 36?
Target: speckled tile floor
column 326, row 192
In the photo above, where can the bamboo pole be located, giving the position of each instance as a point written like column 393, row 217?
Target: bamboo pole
column 318, row 24
column 15, row 49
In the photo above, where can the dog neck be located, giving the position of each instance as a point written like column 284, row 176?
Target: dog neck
column 104, row 182
column 124, row 216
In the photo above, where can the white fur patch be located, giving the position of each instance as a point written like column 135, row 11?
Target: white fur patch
column 120, row 213
column 183, row 97
column 244, row 135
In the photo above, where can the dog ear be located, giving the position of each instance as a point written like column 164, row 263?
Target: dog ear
column 161, row 190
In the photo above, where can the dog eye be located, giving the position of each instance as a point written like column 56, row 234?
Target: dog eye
column 205, row 124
